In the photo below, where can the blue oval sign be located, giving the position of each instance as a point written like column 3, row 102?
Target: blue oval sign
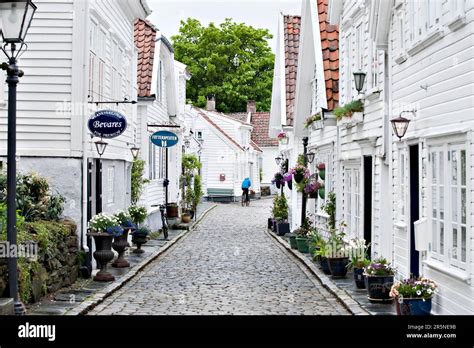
column 164, row 139
column 107, row 124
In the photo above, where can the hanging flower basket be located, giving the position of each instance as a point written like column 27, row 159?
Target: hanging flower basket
column 298, row 177
column 282, row 138
column 290, row 185
column 322, row 193
column 313, row 195
column 299, row 172
column 311, row 189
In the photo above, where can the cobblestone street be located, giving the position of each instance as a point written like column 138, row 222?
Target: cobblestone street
column 227, row 265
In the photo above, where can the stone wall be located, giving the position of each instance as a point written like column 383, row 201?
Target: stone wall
column 56, row 266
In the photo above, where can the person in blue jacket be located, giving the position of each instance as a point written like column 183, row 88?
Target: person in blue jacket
column 246, row 184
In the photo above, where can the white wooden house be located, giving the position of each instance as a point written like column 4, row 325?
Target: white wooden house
column 283, row 102
column 79, row 52
column 418, row 56
column 227, row 153
column 161, row 101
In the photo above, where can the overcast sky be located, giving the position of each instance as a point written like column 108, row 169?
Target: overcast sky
column 167, row 14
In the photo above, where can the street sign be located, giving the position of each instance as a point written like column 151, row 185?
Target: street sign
column 107, row 124
column 164, row 139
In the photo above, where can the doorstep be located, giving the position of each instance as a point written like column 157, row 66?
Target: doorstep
column 85, row 294
column 355, row 300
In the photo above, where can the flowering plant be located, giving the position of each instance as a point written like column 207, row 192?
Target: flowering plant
column 379, row 267
column 287, row 177
column 310, row 120
column 300, row 169
column 312, row 187
column 321, row 166
column 358, row 253
column 124, row 218
column 414, row 288
column 137, row 213
column 281, row 135
column 142, row 231
column 103, row 222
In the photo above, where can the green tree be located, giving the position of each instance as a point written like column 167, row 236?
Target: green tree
column 231, row 61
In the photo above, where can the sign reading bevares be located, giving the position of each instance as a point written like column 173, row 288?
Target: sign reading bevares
column 107, row 124
column 164, row 139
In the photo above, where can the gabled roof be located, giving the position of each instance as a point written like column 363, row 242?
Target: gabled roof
column 255, row 146
column 291, row 27
column 261, row 123
column 204, row 115
column 145, row 37
column 241, row 116
column 330, row 47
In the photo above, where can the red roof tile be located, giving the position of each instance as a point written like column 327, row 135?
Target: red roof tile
column 330, row 47
column 292, row 27
column 145, row 37
column 261, row 122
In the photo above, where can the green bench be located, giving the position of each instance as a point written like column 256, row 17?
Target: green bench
column 220, row 195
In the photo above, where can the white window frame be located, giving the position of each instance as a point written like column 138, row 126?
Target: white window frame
column 448, row 259
column 152, row 161
column 359, row 41
column 352, row 200
column 110, row 185
column 159, row 88
column 348, row 68
column 403, row 183
column 314, row 92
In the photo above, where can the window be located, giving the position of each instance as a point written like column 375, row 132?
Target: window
column 110, row 184
column 359, row 48
column 314, row 93
column 151, row 161
column 352, row 200
column 348, row 72
column 159, row 88
column 374, row 66
column 449, row 209
column 162, row 163
column 402, row 174
column 97, row 55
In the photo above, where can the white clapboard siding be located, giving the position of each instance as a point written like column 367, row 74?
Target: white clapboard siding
column 445, row 71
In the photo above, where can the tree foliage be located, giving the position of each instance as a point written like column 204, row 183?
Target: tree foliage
column 231, row 61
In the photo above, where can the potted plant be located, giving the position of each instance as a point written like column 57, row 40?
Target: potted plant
column 186, row 217
column 292, row 240
column 337, row 255
column 172, row 210
column 311, row 189
column 315, row 121
column 314, row 242
column 321, row 171
column 104, row 228
column 281, row 216
column 321, row 190
column 278, row 180
column 282, row 138
column 302, row 236
column 120, row 243
column 140, row 237
column 379, row 280
column 299, row 172
column 138, row 214
column 413, row 296
column 358, row 261
column 320, row 255
column 350, row 113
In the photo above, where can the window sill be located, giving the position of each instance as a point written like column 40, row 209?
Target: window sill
column 429, row 39
column 400, row 225
column 401, row 58
column 373, row 94
column 450, row 271
column 458, row 22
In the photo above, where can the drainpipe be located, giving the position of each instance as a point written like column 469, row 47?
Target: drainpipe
column 85, row 135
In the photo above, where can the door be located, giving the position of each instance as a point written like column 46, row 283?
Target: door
column 414, row 208
column 368, row 202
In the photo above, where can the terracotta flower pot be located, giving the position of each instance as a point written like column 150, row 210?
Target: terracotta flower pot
column 186, row 218
column 172, row 210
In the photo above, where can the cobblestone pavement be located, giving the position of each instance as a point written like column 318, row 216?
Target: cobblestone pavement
column 227, row 265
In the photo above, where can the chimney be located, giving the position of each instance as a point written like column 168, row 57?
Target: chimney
column 251, row 106
column 211, row 103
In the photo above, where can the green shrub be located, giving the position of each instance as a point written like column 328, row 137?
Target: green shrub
column 138, row 180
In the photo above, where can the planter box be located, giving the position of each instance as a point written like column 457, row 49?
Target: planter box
column 317, row 125
column 293, row 244
column 282, row 228
column 302, row 244
column 338, row 266
column 330, row 122
column 355, row 119
column 378, row 288
column 413, row 306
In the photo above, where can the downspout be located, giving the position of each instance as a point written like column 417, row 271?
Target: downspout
column 85, row 135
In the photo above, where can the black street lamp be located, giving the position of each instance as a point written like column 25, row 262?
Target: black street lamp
column 100, row 146
column 135, row 152
column 278, row 160
column 359, row 79
column 310, row 157
column 400, row 125
column 16, row 19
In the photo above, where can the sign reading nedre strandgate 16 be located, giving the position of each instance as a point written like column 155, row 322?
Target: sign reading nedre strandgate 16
column 107, row 124
column 164, row 139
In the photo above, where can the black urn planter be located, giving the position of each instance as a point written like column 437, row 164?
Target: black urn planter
column 282, row 228
column 139, row 240
column 359, row 278
column 378, row 288
column 338, row 266
column 103, row 255
column 325, row 265
column 120, row 244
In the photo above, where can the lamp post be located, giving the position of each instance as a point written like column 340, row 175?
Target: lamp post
column 16, row 19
